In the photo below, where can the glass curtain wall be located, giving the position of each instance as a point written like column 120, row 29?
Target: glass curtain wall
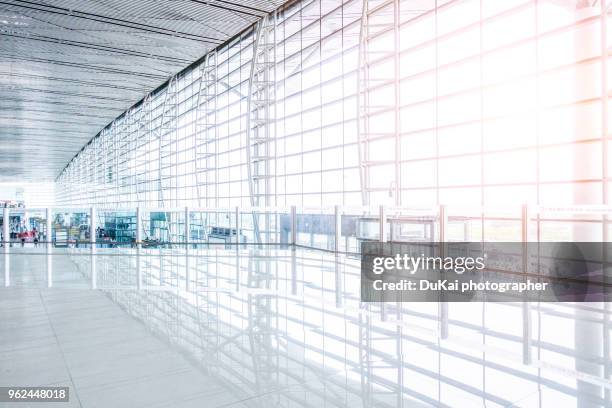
column 376, row 102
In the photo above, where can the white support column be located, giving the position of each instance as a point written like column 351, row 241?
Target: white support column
column 605, row 83
column 5, row 241
column 187, row 227
column 238, row 227
column 526, row 306
column 382, row 232
column 138, row 228
column 187, row 266
column 92, row 228
column 49, row 245
column 92, row 247
column 590, row 39
column 48, row 227
column 442, row 305
column 6, row 232
column 337, row 227
column 442, row 223
column 382, row 222
column 293, row 240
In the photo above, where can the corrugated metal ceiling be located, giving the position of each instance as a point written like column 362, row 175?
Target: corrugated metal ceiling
column 67, row 68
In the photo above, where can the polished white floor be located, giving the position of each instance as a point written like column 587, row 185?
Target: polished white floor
column 276, row 327
column 83, row 340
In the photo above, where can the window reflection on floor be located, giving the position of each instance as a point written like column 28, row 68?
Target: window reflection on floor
column 288, row 326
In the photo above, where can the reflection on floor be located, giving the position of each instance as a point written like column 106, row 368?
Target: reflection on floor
column 279, row 327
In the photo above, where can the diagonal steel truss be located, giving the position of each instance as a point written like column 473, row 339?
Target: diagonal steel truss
column 261, row 119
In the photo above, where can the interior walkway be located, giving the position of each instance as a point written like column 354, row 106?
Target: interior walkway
column 274, row 327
